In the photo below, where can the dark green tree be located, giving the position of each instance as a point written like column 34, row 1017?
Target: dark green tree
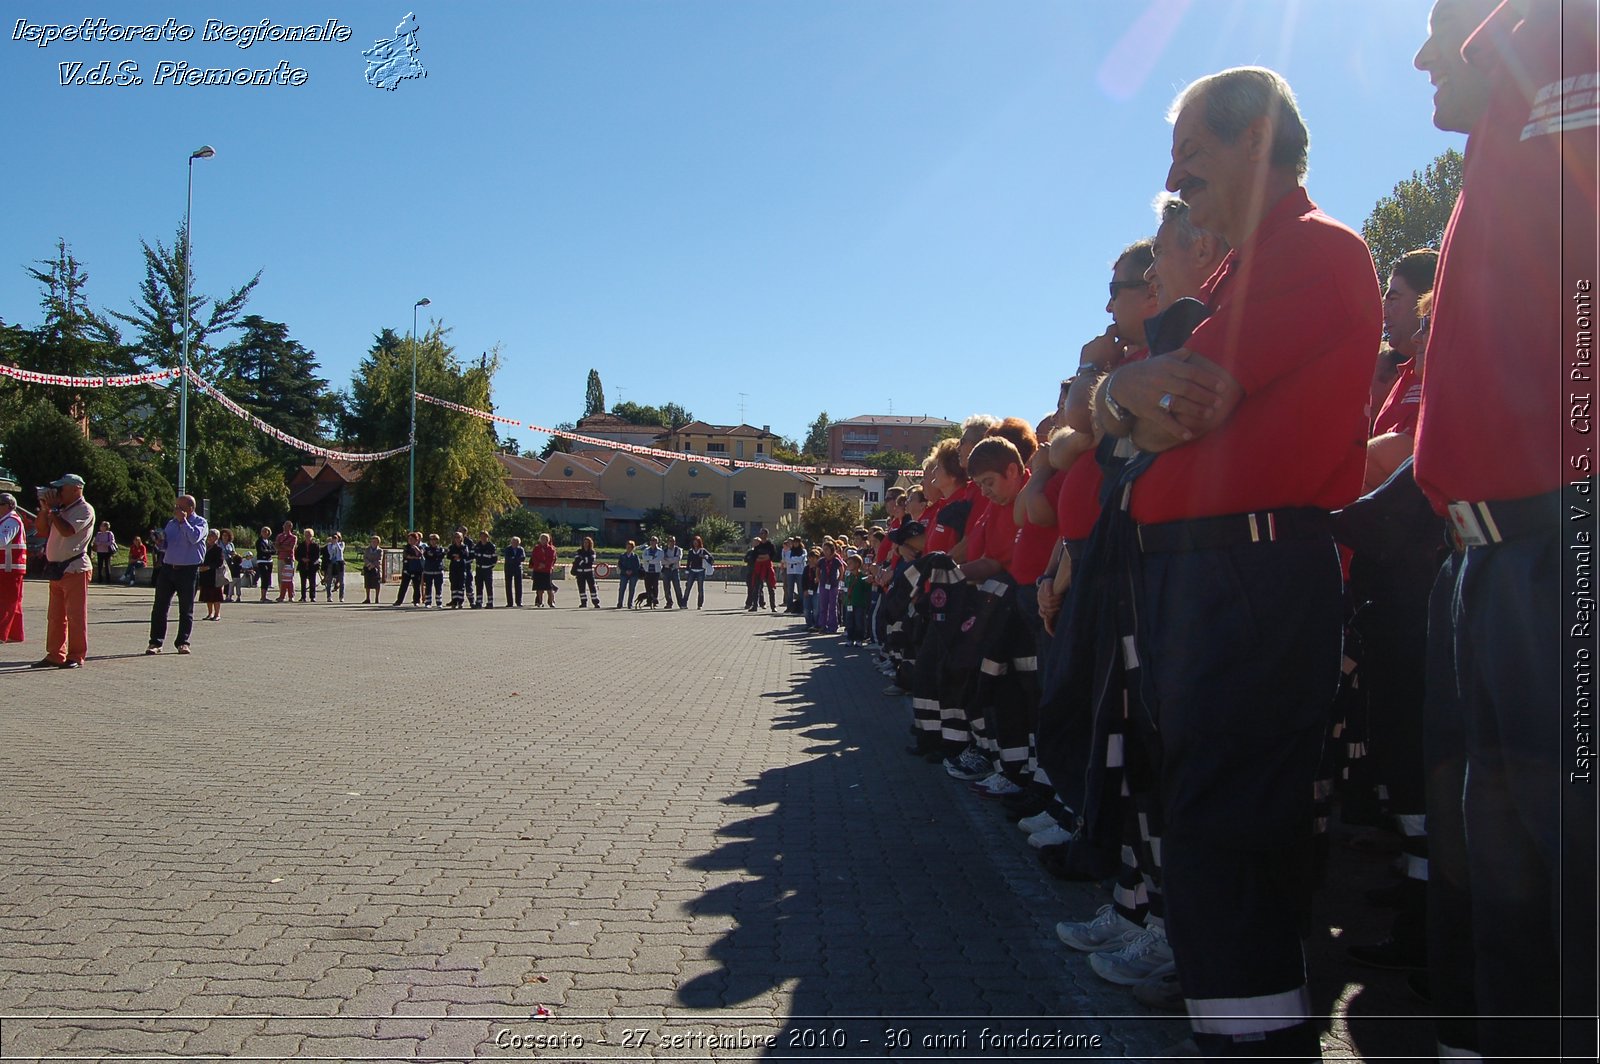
column 277, row 379
column 229, row 464
column 42, row 443
column 669, row 415
column 816, row 446
column 75, row 340
column 594, row 399
column 1415, row 213
column 459, row 479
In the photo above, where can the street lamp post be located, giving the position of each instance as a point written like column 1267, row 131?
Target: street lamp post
column 205, row 151
column 411, row 509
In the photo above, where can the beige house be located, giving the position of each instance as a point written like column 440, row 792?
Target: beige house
column 738, row 443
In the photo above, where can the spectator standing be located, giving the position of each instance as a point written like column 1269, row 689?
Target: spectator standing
column 411, row 567
column 333, row 565
column 651, row 559
column 671, row 562
column 186, row 535
column 308, row 559
column 433, row 554
column 794, row 569
column 67, row 519
column 583, row 571
column 699, row 567
column 285, row 545
column 212, row 576
column 627, row 575
column 13, row 567
column 485, row 556
column 371, row 571
column 830, row 576
column 514, row 555
column 105, row 545
column 265, row 550
column 229, row 581
column 459, row 555
column 542, row 564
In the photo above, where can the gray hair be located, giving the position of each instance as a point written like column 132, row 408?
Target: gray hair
column 1237, row 97
column 979, row 421
column 1171, row 209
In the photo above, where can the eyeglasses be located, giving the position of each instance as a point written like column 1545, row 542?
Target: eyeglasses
column 1117, row 286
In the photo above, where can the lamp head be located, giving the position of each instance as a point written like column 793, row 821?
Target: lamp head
column 205, row 151
column 423, row 302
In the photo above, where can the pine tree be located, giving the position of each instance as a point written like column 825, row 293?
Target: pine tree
column 594, row 399
column 817, row 437
column 277, row 379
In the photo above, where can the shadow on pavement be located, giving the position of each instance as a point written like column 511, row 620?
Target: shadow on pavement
column 896, row 920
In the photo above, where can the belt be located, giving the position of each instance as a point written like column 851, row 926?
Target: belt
column 1478, row 524
column 1229, row 530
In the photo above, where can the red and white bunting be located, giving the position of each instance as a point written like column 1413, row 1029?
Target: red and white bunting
column 659, row 453
column 28, row 376
column 283, row 437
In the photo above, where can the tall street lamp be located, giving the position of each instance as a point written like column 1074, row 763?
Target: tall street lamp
column 411, row 509
column 205, row 151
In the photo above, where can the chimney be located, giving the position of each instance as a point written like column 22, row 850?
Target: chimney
column 766, row 428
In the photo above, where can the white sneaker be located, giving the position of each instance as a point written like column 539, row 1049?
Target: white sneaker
column 1037, row 822
column 1108, row 930
column 995, row 785
column 1054, row 835
column 1138, row 960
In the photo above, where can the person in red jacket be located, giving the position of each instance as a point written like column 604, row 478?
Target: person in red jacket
column 542, row 566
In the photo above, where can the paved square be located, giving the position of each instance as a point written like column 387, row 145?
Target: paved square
column 347, row 831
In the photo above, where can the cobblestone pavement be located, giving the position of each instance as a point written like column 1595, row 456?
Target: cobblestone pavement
column 348, row 832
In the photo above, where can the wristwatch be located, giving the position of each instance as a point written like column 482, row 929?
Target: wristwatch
column 1117, row 410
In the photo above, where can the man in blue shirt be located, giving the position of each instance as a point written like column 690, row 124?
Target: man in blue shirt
column 186, row 550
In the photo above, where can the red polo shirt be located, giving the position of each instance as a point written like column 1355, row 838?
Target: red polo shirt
column 1296, row 318
column 1399, row 413
column 995, row 535
column 1035, row 543
column 1510, row 374
column 942, row 537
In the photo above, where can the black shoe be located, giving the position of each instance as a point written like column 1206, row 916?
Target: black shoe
column 45, row 663
column 1021, row 806
column 70, row 665
column 1078, row 862
column 1391, row 955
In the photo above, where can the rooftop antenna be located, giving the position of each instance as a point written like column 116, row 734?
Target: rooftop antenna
column 741, row 406
column 891, row 408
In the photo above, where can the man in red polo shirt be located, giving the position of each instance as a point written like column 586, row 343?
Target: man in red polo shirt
column 1258, row 426
column 1505, row 430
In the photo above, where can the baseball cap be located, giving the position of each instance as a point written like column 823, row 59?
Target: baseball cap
column 71, row 480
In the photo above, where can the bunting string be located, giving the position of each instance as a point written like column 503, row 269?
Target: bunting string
column 657, row 452
column 158, row 376
column 283, row 437
column 28, row 376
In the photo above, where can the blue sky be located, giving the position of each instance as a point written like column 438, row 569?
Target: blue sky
column 823, row 205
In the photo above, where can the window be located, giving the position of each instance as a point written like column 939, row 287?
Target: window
column 567, row 472
column 632, row 471
column 739, row 445
column 738, row 500
column 693, row 472
column 698, row 495
column 791, row 500
column 716, row 448
column 760, row 448
column 872, row 496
